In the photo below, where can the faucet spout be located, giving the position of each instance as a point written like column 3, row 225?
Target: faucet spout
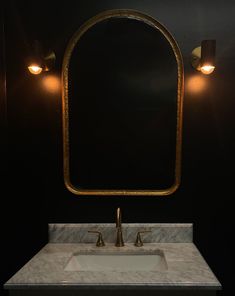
column 119, row 239
column 119, row 218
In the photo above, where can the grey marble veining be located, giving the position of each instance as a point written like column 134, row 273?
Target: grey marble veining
column 160, row 233
column 185, row 268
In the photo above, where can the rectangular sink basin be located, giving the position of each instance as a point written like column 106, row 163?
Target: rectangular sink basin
column 154, row 261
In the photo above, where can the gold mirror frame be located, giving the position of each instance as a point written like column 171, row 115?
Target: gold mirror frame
column 131, row 14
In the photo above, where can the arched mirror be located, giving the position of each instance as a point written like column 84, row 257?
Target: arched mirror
column 122, row 107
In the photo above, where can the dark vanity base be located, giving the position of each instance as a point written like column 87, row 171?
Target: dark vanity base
column 111, row 292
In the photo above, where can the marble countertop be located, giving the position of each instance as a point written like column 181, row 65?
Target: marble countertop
column 186, row 268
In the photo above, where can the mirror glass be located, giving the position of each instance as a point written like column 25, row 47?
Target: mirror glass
column 122, row 107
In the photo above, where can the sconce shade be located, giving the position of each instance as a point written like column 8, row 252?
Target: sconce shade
column 39, row 61
column 49, row 60
column 203, row 57
column 208, row 52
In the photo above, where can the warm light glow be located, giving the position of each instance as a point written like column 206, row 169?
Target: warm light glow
column 207, row 69
column 35, row 69
column 51, row 83
column 196, row 84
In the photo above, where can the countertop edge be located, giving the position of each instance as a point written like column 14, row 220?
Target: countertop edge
column 163, row 286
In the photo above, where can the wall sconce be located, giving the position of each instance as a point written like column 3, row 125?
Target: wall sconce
column 39, row 61
column 203, row 57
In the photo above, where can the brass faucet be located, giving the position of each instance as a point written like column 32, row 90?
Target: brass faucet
column 119, row 239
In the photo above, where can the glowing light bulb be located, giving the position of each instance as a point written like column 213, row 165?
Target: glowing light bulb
column 207, row 69
column 35, row 69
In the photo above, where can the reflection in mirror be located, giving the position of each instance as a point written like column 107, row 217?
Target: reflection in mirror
column 122, row 107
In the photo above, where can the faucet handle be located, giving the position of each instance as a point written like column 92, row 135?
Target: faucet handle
column 100, row 241
column 138, row 242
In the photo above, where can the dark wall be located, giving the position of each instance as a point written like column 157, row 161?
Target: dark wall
column 35, row 192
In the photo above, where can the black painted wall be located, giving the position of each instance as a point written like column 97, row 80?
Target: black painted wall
column 35, row 193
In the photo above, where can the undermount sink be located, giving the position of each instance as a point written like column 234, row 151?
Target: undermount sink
column 152, row 261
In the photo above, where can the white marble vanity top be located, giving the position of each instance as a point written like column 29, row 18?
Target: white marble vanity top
column 185, row 265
